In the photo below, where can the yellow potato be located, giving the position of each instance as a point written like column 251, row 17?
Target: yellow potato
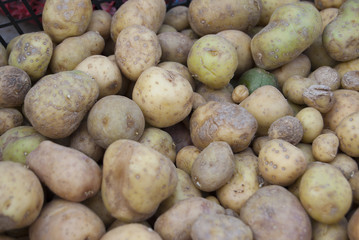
column 185, row 158
column 179, row 68
column 325, row 147
column 177, row 17
column 347, row 165
column 348, row 132
column 268, row 7
column 322, row 231
column 312, row 122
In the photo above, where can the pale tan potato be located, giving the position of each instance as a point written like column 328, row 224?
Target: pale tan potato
column 106, row 73
column 154, row 91
column 3, row 55
column 327, row 76
column 348, row 132
column 73, row 50
column 268, row 7
column 177, row 17
column 131, row 231
column 136, row 179
column 9, row 118
column 213, row 199
column 186, row 156
column 344, row 67
column 261, row 105
column 179, row 68
column 100, row 22
column 347, row 165
column 222, row 121
column 294, row 87
column 312, row 122
column 68, row 173
column 353, row 230
column 275, row 213
column 188, row 210
column 61, row 219
column 350, row 80
column 307, row 150
column 322, row 231
column 322, row 4
column 325, row 147
column 190, row 33
column 219, row 95
column 21, row 196
column 287, row 128
column 240, row 93
column 137, row 48
column 118, row 223
column 148, row 13
column 166, row 28
column 259, row 142
column 354, row 184
column 63, row 19
column 57, row 103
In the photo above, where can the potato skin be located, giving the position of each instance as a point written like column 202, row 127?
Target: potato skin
column 347, row 132
column 353, row 230
column 3, row 56
column 177, row 17
column 132, row 231
column 175, row 46
column 56, row 105
column 9, row 118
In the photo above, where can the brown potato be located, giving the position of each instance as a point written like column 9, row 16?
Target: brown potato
column 186, row 157
column 131, row 231
column 323, row 4
column 353, row 230
column 325, row 147
column 274, row 213
column 9, row 118
column 175, row 46
column 100, row 22
column 177, row 17
column 239, row 93
column 287, row 128
column 312, row 122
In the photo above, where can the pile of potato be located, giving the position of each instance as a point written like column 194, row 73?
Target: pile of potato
column 139, row 125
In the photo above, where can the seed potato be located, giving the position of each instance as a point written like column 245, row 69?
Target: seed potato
column 348, row 134
column 312, row 122
column 9, row 118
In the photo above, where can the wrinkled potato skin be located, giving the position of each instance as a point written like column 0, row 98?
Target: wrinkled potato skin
column 9, row 118
column 56, row 105
column 347, row 132
column 63, row 19
column 287, row 128
column 292, row 28
column 175, row 46
column 279, row 208
column 268, row 7
column 21, row 196
column 101, row 23
column 61, row 219
column 353, row 230
column 132, row 231
column 177, row 17
column 3, row 56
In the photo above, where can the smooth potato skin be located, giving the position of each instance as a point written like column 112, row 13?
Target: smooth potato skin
column 131, row 231
column 347, row 132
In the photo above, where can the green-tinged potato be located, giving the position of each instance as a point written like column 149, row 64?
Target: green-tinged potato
column 63, row 19
column 154, row 93
column 325, row 193
column 322, row 231
column 9, row 118
column 219, row 95
column 294, row 87
column 325, row 147
column 268, row 7
column 292, row 28
column 210, row 17
column 57, row 103
column 175, row 46
column 73, row 50
column 186, row 157
column 3, row 55
column 184, row 189
column 275, row 213
column 136, row 179
column 281, row 163
column 100, row 22
column 212, row 60
column 348, row 134
column 213, row 167
column 222, row 121
column 353, row 229
column 177, row 17
column 137, row 48
column 32, row 53
column 18, row 142
column 220, row 226
column 346, row 103
column 354, row 184
column 21, row 196
column 131, row 231
column 242, row 42
column 243, row 184
column 287, row 128
column 61, row 219
column 67, row 172
column 347, row 165
column 179, row 68
column 188, row 210
column 266, row 104
column 340, row 36
column 14, row 85
column 324, row 4
column 345, row 67
column 106, row 73
column 312, row 122
column 159, row 140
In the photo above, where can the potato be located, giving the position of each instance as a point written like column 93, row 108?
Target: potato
column 338, row 35
column 188, row 210
column 131, row 231
column 347, row 165
column 239, row 93
column 327, row 76
column 346, row 103
column 175, row 46
column 177, row 17
column 320, row 97
column 186, row 157
column 312, row 122
column 106, row 73
column 307, row 151
column 354, row 184
column 261, row 105
column 213, row 167
column 9, row 118
column 68, row 173
column 61, row 219
column 212, row 60
column 136, row 179
column 259, row 142
column 179, row 68
column 15, row 83
column 345, row 67
column 274, row 213
column 287, row 128
column 322, row 4
column 334, row 231
column 73, row 50
column 118, row 223
column 82, row 141
column 154, row 91
column 100, row 22
column 65, row 19
column 21, row 196
column 325, row 147
column 268, row 7
column 207, row 17
column 220, row 226
column 292, row 28
column 148, row 13
column 242, row 42
column 58, row 102
column 353, row 230
column 243, row 184
column 222, row 121
column 350, row 80
column 325, row 193
column 32, row 53
column 166, row 28
column 159, row 140
column 3, row 56
column 219, row 95
column 190, row 33
column 295, row 86
column 347, row 132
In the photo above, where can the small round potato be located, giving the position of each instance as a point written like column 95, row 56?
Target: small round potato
column 186, row 157
column 9, row 118
column 325, row 147
column 312, row 122
column 175, row 46
column 240, row 93
column 134, row 231
column 287, row 128
column 177, row 17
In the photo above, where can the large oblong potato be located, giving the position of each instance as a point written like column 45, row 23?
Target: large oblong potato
column 56, row 105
